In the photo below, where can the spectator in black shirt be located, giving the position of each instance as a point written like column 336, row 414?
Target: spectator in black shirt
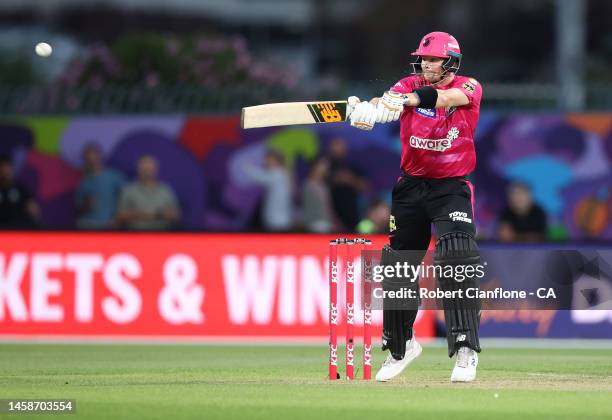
column 522, row 220
column 18, row 210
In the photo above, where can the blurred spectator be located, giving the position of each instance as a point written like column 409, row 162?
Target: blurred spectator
column 523, row 220
column 18, row 210
column 377, row 220
column 98, row 192
column 318, row 215
column 276, row 211
column 346, row 185
column 147, row 204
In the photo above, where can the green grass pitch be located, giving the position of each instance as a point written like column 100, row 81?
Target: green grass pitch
column 287, row 382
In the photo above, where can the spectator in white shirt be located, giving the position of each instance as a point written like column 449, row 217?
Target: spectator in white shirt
column 277, row 214
column 316, row 200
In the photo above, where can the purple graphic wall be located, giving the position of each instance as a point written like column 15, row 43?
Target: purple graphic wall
column 566, row 159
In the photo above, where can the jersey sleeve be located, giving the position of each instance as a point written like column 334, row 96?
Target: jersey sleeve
column 406, row 85
column 473, row 90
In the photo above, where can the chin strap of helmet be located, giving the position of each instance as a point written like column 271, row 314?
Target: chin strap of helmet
column 453, row 62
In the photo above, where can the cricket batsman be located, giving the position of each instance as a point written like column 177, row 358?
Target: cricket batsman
column 438, row 112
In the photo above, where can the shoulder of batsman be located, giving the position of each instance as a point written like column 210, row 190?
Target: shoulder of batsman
column 466, row 79
column 407, row 82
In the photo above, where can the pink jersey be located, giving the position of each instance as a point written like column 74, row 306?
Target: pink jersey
column 439, row 143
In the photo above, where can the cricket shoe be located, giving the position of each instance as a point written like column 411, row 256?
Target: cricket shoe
column 465, row 365
column 392, row 367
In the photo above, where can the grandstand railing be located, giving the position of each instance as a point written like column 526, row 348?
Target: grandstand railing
column 229, row 100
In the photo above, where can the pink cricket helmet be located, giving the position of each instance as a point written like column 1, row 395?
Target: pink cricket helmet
column 443, row 45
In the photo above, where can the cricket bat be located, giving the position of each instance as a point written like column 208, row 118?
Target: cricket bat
column 291, row 113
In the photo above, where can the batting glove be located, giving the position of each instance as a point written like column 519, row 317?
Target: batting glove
column 390, row 106
column 364, row 116
column 351, row 102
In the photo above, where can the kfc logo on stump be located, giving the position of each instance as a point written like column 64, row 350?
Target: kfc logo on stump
column 333, row 355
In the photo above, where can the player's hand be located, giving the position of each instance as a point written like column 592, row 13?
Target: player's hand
column 364, row 116
column 389, row 107
column 351, row 102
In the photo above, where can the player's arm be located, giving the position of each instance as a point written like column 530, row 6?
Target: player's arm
column 389, row 107
column 428, row 97
column 386, row 108
column 382, row 109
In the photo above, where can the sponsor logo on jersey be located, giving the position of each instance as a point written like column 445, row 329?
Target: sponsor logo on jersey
column 459, row 216
column 468, row 87
column 392, row 226
column 427, row 112
column 437, row 145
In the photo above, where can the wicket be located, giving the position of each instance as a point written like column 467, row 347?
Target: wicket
column 349, row 278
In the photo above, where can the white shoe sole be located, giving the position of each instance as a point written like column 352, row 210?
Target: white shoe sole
column 462, row 380
column 415, row 353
